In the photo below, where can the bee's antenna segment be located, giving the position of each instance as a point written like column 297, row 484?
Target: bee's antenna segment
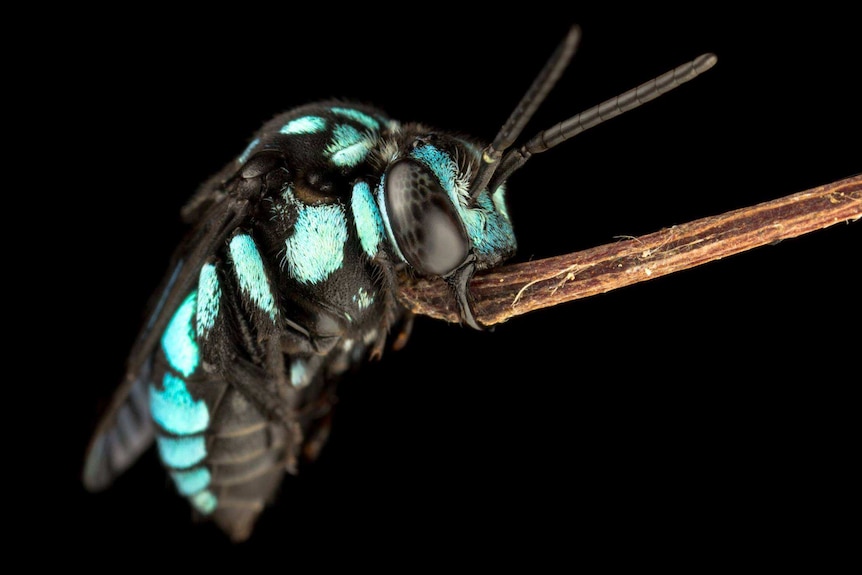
column 594, row 116
column 524, row 111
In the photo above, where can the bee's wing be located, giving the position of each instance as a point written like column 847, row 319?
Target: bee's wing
column 125, row 431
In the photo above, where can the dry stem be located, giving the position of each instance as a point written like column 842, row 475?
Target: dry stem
column 516, row 289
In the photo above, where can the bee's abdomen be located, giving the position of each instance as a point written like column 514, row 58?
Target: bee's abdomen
column 230, row 467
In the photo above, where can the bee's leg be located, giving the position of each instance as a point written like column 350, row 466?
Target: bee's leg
column 459, row 281
column 393, row 314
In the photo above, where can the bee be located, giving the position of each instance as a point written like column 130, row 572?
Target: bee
column 288, row 278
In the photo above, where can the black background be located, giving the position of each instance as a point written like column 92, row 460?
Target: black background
column 704, row 415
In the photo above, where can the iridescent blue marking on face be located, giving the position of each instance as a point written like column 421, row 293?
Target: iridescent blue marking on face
column 178, row 340
column 357, row 116
column 181, row 452
column 209, row 296
column 251, row 274
column 248, row 149
column 366, row 218
column 175, row 410
column 488, row 226
column 499, row 200
column 304, row 125
column 298, row 373
column 362, row 298
column 443, row 167
column 316, row 248
column 191, row 481
column 205, row 502
column 490, row 230
column 348, row 146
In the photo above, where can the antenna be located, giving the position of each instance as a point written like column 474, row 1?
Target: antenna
column 524, row 111
column 594, row 116
column 497, row 167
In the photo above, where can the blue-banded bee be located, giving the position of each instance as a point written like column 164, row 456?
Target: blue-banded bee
column 288, row 280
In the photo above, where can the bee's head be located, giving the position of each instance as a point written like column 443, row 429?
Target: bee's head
column 442, row 197
column 432, row 222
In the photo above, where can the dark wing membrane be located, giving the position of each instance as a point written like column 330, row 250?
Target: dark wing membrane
column 126, row 431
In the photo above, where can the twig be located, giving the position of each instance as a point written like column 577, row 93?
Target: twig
column 516, row 289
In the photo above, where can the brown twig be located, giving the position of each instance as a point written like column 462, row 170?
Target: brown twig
column 516, row 289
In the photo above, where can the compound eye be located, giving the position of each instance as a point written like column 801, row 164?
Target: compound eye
column 426, row 226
